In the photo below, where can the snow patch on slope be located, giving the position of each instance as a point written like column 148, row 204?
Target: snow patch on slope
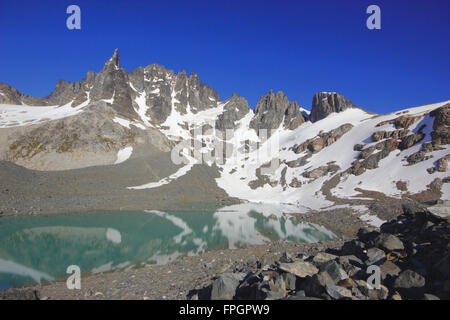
column 124, row 154
column 23, row 115
column 126, row 123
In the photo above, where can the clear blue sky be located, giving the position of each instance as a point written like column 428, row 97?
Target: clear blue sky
column 243, row 46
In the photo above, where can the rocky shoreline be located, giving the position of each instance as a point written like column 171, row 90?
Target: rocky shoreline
column 410, row 255
column 412, row 252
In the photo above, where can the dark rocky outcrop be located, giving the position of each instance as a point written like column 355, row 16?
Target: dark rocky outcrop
column 324, row 139
column 235, row 109
column 441, row 125
column 325, row 103
column 402, row 122
column 273, row 109
column 321, row 171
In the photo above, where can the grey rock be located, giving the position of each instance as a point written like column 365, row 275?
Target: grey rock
column 336, row 272
column 417, row 157
column 11, row 95
column 200, row 95
column 137, row 78
column 381, row 293
column 315, row 285
column 411, row 140
column 337, row 292
column 293, row 117
column 375, row 256
column 441, row 210
column 224, row 287
column 273, row 287
column 290, row 281
column 272, row 109
column 235, row 109
column 249, row 287
column 321, row 171
column 325, row 103
column 351, row 264
column 389, row 242
column 409, row 279
column 389, row 269
column 298, row 162
column 301, row 269
column 286, row 257
column 323, row 257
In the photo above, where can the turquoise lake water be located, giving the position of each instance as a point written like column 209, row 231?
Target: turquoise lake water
column 37, row 249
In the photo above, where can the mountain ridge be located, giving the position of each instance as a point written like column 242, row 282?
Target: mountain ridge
column 335, row 151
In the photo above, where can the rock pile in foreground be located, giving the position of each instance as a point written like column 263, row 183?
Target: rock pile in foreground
column 411, row 254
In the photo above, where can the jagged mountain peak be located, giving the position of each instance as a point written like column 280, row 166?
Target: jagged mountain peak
column 275, row 108
column 325, row 103
column 114, row 60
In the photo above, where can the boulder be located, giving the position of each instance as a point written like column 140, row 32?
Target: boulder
column 375, row 256
column 286, row 257
column 248, row 288
column 224, row 287
column 323, row 257
column 290, row 281
column 337, row 292
column 440, row 210
column 336, row 272
column 273, row 288
column 389, row 269
column 371, row 293
column 352, row 265
column 301, row 269
column 409, row 279
column 389, row 242
column 315, row 285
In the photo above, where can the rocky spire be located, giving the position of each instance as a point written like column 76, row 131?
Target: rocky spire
column 114, row 60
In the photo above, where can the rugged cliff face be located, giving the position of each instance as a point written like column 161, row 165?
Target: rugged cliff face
column 326, row 103
column 274, row 109
column 336, row 151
